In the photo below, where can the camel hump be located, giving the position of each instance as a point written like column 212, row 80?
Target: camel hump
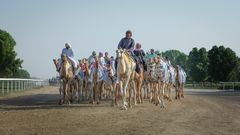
column 129, row 57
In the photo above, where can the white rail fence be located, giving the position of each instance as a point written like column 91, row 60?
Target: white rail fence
column 219, row 85
column 9, row 85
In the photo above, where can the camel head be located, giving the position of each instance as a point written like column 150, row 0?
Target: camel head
column 80, row 61
column 66, row 67
column 119, row 53
column 55, row 61
column 177, row 68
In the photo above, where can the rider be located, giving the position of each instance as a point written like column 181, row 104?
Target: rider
column 101, row 59
column 128, row 44
column 112, row 62
column 92, row 64
column 91, row 60
column 67, row 51
column 152, row 56
column 140, row 54
column 106, row 58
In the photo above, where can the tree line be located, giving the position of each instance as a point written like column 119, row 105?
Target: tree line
column 10, row 65
column 215, row 65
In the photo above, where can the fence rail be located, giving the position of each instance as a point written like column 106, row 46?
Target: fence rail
column 9, row 85
column 219, row 85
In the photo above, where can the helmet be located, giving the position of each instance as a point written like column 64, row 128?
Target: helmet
column 100, row 54
column 93, row 53
column 67, row 45
column 128, row 32
column 152, row 50
column 138, row 45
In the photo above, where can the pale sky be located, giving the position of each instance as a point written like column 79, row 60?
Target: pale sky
column 42, row 27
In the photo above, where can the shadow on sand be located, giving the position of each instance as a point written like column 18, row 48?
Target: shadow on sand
column 44, row 101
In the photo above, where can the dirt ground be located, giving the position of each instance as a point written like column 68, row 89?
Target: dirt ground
column 205, row 112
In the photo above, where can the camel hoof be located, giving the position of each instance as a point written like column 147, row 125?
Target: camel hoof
column 162, row 106
column 112, row 104
column 123, row 108
column 60, row 102
column 98, row 102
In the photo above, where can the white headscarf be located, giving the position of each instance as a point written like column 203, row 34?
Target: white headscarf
column 67, row 45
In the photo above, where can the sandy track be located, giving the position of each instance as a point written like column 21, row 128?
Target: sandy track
column 37, row 112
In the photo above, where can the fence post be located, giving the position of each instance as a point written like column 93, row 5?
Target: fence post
column 2, row 91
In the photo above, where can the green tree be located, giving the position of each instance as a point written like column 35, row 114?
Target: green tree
column 222, row 62
column 234, row 76
column 21, row 73
column 9, row 64
column 176, row 57
column 198, row 64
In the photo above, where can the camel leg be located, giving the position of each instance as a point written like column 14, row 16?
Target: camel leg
column 134, row 92
column 98, row 92
column 86, row 90
column 182, row 91
column 170, row 93
column 60, row 96
column 123, row 95
column 158, row 94
column 161, row 96
column 79, row 91
column 176, row 91
column 116, row 93
column 91, row 94
column 141, row 96
column 64, row 92
column 113, row 94
column 129, row 98
column 151, row 91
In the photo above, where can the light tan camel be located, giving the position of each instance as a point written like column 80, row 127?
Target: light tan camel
column 139, row 83
column 86, row 73
column 69, row 82
column 125, row 75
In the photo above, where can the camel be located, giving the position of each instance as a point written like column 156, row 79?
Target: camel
column 96, row 84
column 152, row 81
column 139, row 78
column 180, row 81
column 171, row 83
column 85, row 85
column 125, row 75
column 68, row 80
column 161, row 80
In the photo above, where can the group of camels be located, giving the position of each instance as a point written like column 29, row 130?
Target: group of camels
column 131, row 87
